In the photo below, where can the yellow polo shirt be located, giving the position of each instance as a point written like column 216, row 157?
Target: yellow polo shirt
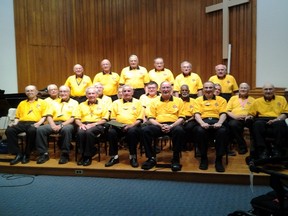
column 62, row 111
column 166, row 111
column 146, row 100
column 239, row 106
column 262, row 108
column 127, row 112
column 212, row 108
column 31, row 111
column 87, row 112
column 228, row 84
column 189, row 105
column 193, row 81
column 161, row 76
column 136, row 78
column 78, row 85
column 110, row 82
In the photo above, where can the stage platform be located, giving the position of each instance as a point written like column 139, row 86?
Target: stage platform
column 237, row 172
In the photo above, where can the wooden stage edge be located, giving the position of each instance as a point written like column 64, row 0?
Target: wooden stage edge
column 209, row 176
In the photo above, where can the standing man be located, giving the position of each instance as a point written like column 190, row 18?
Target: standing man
column 237, row 111
column 30, row 114
column 60, row 117
column 135, row 76
column 160, row 74
column 129, row 112
column 109, row 79
column 268, row 113
column 166, row 116
column 90, row 119
column 228, row 83
column 78, row 83
column 189, row 78
column 210, row 113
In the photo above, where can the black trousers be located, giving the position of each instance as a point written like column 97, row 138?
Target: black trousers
column 236, row 129
column 132, row 137
column 150, row 132
column 12, row 138
column 261, row 130
column 204, row 136
column 86, row 139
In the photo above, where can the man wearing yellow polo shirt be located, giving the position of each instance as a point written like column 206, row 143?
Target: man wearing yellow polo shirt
column 135, row 76
column 160, row 74
column 210, row 113
column 229, row 86
column 60, row 117
column 237, row 111
column 109, row 79
column 129, row 112
column 166, row 117
column 30, row 114
column 90, row 119
column 189, row 78
column 78, row 83
column 268, row 113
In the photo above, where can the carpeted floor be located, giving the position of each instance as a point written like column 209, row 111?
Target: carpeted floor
column 55, row 195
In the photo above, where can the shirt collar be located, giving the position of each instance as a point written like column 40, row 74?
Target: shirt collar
column 213, row 98
column 137, row 68
column 170, row 99
column 273, row 98
column 187, row 74
column 159, row 70
column 90, row 103
column 124, row 101
column 106, row 73
column 186, row 99
column 65, row 100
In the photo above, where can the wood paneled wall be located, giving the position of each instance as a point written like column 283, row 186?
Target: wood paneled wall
column 53, row 35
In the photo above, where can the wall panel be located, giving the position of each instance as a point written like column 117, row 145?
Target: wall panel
column 52, row 36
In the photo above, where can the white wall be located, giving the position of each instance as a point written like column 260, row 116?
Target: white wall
column 272, row 43
column 8, row 69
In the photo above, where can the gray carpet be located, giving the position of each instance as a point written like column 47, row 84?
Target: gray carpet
column 55, row 195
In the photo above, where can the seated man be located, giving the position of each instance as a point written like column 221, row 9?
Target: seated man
column 60, row 117
column 237, row 110
column 30, row 114
column 129, row 112
column 166, row 116
column 90, row 119
column 268, row 113
column 146, row 99
column 210, row 113
column 190, row 122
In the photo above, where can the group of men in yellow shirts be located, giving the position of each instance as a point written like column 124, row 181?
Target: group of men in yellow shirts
column 206, row 118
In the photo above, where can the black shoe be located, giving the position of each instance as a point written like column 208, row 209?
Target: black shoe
column 64, row 158
column 149, row 164
column 25, row 159
column 242, row 151
column 112, row 161
column 176, row 166
column 80, row 162
column 43, row 158
column 203, row 164
column 87, row 161
column 16, row 160
column 264, row 154
column 219, row 166
column 134, row 163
